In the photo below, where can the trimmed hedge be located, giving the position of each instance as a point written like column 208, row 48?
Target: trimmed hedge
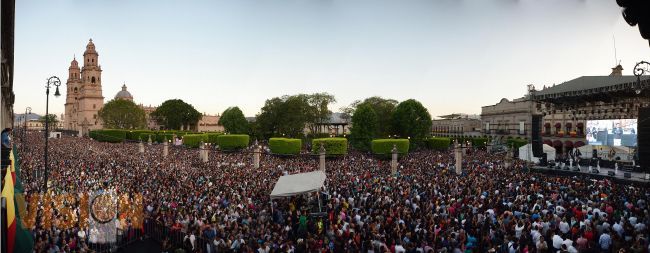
column 212, row 137
column 285, row 146
column 333, row 146
column 160, row 137
column 108, row 135
column 194, row 140
column 516, row 143
column 438, row 143
column 479, row 142
column 232, row 141
column 385, row 146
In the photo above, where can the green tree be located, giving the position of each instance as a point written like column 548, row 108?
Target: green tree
column 122, row 114
column 383, row 108
column 364, row 127
column 285, row 116
column 233, row 120
column 319, row 111
column 175, row 113
column 51, row 119
column 411, row 119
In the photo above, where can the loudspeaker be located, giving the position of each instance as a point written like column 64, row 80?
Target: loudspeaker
column 610, row 173
column 627, row 175
column 643, row 137
column 536, row 135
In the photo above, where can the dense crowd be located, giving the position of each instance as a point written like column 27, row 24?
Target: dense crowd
column 224, row 206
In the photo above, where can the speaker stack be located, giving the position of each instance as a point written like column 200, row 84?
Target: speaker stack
column 536, row 135
column 643, row 138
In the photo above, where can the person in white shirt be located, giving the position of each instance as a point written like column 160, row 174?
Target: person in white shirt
column 557, row 241
column 564, row 227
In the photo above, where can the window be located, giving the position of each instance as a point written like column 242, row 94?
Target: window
column 92, row 80
column 94, row 116
column 75, row 90
column 93, row 106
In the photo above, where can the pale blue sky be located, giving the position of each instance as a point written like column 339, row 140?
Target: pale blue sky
column 452, row 55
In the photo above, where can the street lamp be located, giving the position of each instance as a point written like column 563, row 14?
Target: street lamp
column 52, row 81
column 28, row 110
column 638, row 72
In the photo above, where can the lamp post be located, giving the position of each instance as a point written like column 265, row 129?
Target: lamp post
column 28, row 111
column 56, row 82
column 638, row 72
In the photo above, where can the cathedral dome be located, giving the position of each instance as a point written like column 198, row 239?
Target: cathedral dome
column 124, row 94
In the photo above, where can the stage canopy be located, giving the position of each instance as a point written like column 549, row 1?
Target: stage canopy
column 526, row 153
column 297, row 184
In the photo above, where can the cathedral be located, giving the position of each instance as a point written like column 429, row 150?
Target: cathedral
column 84, row 93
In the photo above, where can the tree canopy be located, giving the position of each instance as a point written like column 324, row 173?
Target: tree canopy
column 383, row 108
column 364, row 127
column 289, row 115
column 411, row 119
column 233, row 121
column 122, row 114
column 175, row 113
column 51, row 119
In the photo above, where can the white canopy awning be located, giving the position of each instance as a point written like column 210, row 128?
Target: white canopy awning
column 297, row 184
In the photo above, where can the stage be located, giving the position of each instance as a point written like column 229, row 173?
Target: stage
column 635, row 177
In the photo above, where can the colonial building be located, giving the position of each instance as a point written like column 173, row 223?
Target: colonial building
column 456, row 124
column 84, row 93
column 210, row 123
column 507, row 119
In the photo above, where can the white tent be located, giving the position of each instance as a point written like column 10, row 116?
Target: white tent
column 526, row 153
column 297, row 184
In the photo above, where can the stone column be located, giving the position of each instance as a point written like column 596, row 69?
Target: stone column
column 141, row 147
column 165, row 148
column 201, row 151
column 459, row 157
column 256, row 155
column 149, row 140
column 322, row 157
column 393, row 162
column 206, row 152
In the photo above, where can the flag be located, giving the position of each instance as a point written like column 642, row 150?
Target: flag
column 18, row 185
column 18, row 239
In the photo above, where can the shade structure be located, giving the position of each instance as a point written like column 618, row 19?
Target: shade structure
column 526, row 153
column 296, row 184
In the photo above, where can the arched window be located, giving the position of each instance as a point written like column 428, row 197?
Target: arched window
column 92, row 80
column 75, row 89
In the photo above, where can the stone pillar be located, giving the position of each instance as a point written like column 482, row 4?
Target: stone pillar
column 141, row 147
column 149, row 140
column 256, row 156
column 322, row 157
column 393, row 162
column 165, row 148
column 206, row 152
column 459, row 157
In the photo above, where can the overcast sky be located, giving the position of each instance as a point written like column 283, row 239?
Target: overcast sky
column 452, row 55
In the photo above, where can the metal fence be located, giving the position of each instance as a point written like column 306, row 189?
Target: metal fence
column 175, row 238
column 124, row 238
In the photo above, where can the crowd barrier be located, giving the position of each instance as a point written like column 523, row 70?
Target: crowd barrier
column 175, row 238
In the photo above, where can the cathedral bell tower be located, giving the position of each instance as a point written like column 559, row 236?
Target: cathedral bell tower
column 84, row 92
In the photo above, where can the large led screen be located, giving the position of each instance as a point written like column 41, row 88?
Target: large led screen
column 612, row 132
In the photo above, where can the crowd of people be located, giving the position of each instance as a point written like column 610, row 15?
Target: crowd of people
column 223, row 205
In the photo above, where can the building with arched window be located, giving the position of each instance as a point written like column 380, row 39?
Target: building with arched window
column 84, row 93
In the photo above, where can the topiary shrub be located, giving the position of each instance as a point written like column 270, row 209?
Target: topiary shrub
column 108, row 135
column 285, row 146
column 194, row 140
column 212, row 137
column 333, row 146
column 479, row 142
column 385, row 146
column 516, row 143
column 161, row 137
column 232, row 141
column 438, row 143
